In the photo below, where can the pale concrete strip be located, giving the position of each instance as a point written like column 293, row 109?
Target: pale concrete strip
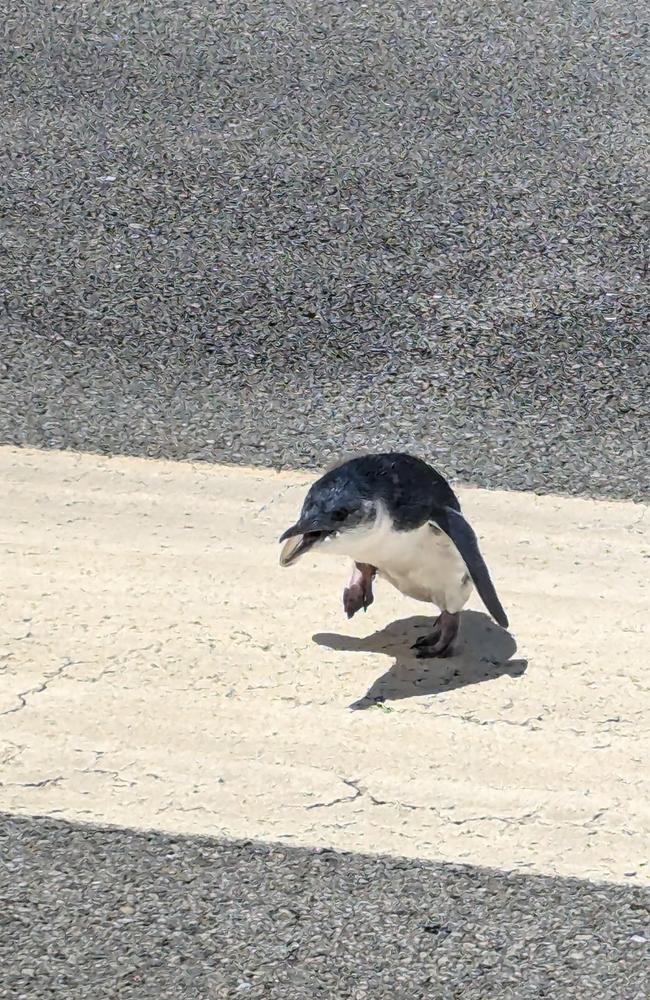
column 158, row 670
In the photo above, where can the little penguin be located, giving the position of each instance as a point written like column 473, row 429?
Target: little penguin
column 396, row 517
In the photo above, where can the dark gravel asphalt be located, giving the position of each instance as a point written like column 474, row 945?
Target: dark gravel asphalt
column 99, row 914
column 268, row 232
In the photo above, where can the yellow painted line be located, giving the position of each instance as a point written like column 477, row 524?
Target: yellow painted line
column 159, row 670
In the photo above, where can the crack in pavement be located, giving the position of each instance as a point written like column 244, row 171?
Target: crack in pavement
column 186, row 809
column 115, row 775
column 358, row 792
column 444, row 816
column 33, row 784
column 533, row 814
column 280, row 495
column 37, row 689
column 525, row 724
column 13, row 752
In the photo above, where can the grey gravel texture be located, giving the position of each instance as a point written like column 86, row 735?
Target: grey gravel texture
column 271, row 232
column 91, row 913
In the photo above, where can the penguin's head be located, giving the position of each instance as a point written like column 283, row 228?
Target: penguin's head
column 334, row 506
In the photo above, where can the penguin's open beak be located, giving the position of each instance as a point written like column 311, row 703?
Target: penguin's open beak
column 299, row 539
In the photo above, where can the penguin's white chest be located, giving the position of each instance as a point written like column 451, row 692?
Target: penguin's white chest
column 423, row 563
column 427, row 567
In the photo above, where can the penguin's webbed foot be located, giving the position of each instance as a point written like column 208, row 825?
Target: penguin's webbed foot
column 439, row 642
column 358, row 593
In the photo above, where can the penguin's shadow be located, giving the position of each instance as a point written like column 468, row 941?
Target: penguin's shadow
column 483, row 652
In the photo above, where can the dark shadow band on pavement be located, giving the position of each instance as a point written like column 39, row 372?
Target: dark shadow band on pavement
column 92, row 912
column 483, row 652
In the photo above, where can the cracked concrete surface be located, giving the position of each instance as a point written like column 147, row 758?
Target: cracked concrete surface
column 159, row 670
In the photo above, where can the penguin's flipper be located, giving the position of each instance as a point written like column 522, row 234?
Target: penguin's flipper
column 462, row 535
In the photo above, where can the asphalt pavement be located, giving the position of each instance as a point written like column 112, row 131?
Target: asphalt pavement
column 268, row 233
column 112, row 913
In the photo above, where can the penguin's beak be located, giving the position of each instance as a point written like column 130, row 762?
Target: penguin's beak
column 300, row 538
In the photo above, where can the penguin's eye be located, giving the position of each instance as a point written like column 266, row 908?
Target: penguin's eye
column 339, row 515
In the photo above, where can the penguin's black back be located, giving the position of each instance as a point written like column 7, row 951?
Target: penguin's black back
column 410, row 489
